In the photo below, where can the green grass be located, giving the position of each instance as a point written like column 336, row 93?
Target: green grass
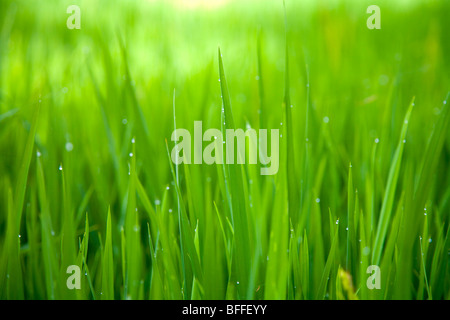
column 86, row 177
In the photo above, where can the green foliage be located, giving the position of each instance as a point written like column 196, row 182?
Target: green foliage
column 86, row 178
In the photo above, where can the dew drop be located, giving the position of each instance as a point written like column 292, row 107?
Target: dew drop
column 69, row 146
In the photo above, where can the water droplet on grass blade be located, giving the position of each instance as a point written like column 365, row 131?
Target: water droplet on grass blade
column 69, row 146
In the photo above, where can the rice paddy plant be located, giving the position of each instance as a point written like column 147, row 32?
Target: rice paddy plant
column 87, row 180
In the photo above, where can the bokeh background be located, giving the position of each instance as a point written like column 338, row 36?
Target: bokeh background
column 113, row 80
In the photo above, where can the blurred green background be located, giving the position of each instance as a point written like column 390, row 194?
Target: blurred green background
column 113, row 80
